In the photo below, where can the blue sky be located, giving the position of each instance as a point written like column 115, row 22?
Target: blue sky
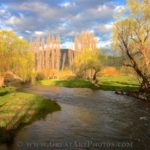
column 29, row 18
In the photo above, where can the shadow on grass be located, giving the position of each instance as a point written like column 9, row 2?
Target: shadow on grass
column 37, row 109
column 125, row 83
column 106, row 83
column 6, row 90
column 117, row 86
column 119, row 83
column 74, row 83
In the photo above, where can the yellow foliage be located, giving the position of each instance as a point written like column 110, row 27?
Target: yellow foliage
column 66, row 74
column 109, row 71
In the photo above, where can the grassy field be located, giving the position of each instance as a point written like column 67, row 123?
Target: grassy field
column 118, row 83
column 18, row 109
column 77, row 83
column 6, row 90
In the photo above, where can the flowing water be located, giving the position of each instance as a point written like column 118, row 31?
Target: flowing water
column 89, row 120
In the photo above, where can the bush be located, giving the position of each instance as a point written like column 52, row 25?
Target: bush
column 109, row 71
column 66, row 74
column 40, row 76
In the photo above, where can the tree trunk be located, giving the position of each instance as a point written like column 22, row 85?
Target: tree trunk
column 94, row 76
column 145, row 82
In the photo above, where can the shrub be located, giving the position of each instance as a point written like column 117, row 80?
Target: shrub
column 109, row 71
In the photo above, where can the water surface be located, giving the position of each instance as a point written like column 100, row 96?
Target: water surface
column 89, row 120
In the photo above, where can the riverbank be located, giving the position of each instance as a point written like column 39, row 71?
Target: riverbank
column 76, row 83
column 119, row 83
column 107, row 83
column 18, row 109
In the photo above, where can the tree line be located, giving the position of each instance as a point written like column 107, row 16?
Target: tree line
column 84, row 61
column 29, row 59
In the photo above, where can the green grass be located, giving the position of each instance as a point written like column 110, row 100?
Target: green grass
column 118, row 83
column 18, row 109
column 109, row 83
column 76, row 83
column 6, row 90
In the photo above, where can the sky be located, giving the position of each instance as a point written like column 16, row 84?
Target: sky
column 30, row 18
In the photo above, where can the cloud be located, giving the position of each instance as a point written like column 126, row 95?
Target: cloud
column 37, row 17
column 68, row 44
column 67, row 4
column 104, row 28
column 91, row 3
column 14, row 21
column 38, row 32
column 120, row 9
column 27, row 31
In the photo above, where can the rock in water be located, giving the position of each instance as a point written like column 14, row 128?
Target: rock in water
column 143, row 118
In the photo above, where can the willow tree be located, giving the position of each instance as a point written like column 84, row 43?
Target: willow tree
column 86, row 63
column 14, row 55
column 132, row 37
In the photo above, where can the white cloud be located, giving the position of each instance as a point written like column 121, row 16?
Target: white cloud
column 119, row 9
column 38, row 32
column 42, row 9
column 66, row 4
column 41, row 17
column 2, row 11
column 103, row 28
column 27, row 31
column 98, row 39
column 108, row 26
column 13, row 20
column 20, row 37
column 68, row 44
column 104, row 44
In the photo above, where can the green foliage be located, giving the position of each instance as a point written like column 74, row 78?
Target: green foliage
column 86, row 61
column 14, row 55
column 18, row 109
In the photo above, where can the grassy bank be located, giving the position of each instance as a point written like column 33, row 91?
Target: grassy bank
column 6, row 90
column 108, row 83
column 118, row 83
column 76, row 83
column 18, row 109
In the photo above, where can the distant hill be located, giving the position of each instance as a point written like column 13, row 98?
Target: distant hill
column 65, row 52
column 107, row 60
column 107, row 51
